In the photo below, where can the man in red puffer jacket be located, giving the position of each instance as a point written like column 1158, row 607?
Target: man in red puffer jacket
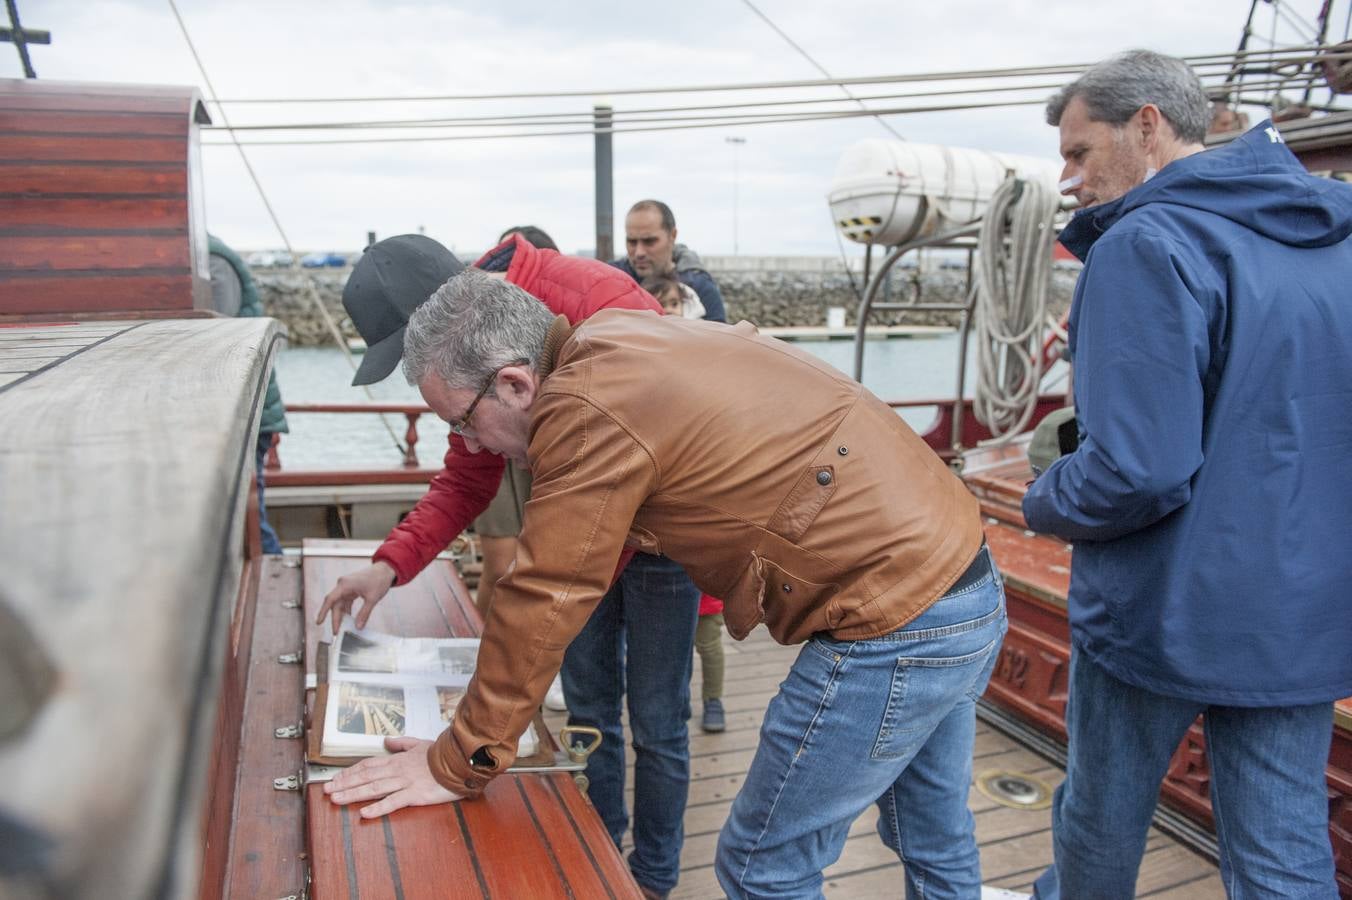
column 388, row 283
column 392, row 279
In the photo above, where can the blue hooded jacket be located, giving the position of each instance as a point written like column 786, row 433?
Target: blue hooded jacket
column 1210, row 498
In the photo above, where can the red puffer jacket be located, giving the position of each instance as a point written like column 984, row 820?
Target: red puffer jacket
column 570, row 286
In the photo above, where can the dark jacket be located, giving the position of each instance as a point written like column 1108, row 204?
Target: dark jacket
column 1210, row 498
column 689, row 270
column 823, row 514
column 273, row 419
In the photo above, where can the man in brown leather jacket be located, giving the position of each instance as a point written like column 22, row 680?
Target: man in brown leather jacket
column 781, row 486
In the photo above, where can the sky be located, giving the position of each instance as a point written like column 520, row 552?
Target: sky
column 763, row 196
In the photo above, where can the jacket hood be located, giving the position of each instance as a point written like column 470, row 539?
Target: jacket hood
column 1248, row 181
column 684, row 259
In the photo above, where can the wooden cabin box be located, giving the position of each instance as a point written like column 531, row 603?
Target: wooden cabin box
column 101, row 203
column 126, row 470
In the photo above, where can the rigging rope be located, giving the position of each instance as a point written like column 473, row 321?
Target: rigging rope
column 818, row 66
column 307, row 280
column 1292, row 55
column 1013, row 271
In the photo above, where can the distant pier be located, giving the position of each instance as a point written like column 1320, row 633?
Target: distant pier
column 872, row 333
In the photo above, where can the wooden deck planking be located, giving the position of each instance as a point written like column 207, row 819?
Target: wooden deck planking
column 532, row 836
column 26, row 349
column 1015, row 844
column 267, row 847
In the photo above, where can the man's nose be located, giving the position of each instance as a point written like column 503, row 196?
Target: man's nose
column 1071, row 182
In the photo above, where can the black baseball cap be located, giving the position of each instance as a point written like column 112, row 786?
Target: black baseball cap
column 391, row 280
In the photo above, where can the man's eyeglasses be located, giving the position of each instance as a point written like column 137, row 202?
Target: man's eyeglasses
column 459, row 425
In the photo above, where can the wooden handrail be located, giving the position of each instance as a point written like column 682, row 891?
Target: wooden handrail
column 411, row 411
column 908, row 404
column 938, row 436
column 400, row 408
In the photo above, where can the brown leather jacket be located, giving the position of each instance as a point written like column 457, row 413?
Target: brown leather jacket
column 778, row 483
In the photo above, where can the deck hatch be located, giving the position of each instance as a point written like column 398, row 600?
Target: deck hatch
column 1014, row 789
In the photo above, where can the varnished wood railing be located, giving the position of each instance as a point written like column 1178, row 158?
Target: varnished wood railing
column 937, row 435
column 408, row 471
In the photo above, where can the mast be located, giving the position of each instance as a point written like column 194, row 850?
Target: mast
column 1235, row 69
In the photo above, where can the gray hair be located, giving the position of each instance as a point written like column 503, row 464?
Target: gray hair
column 1116, row 88
column 472, row 326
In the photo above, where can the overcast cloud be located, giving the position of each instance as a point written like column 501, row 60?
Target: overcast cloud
column 463, row 193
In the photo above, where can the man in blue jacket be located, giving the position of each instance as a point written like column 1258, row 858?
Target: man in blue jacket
column 1210, row 497
column 651, row 249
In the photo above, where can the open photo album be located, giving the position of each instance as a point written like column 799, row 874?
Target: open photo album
column 380, row 685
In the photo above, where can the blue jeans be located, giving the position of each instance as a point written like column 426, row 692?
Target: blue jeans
column 268, row 533
column 891, row 721
column 1267, row 790
column 640, row 639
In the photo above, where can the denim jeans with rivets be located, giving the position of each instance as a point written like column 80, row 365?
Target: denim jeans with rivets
column 887, row 721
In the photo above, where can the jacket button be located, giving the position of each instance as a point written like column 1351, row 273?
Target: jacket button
column 843, row 451
column 788, row 589
column 823, row 478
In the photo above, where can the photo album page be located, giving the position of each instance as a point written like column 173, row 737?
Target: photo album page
column 381, row 685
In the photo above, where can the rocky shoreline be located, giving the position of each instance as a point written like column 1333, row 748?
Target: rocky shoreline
column 768, row 296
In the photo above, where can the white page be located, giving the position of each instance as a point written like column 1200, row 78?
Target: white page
column 382, row 685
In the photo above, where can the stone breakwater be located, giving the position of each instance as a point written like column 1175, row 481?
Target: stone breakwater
column 769, row 297
column 779, row 298
column 287, row 297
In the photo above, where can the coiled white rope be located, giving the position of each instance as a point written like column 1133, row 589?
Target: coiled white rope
column 1013, row 271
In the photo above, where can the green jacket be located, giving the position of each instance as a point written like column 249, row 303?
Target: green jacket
column 274, row 411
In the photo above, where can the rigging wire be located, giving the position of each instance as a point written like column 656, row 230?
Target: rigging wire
column 845, row 261
column 785, row 118
column 673, row 123
column 641, row 115
column 1203, row 60
column 818, row 66
column 1272, row 43
column 589, row 116
column 308, row 281
column 1302, row 26
column 732, row 118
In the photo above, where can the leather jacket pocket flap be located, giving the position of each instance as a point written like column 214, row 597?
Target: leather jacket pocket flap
column 794, row 607
column 742, row 609
column 643, row 540
column 803, row 502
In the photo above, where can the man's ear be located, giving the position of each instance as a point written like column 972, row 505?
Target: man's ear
column 1150, row 121
column 517, row 386
column 673, row 235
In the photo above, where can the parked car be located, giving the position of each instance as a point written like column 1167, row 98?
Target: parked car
column 319, row 260
column 268, row 258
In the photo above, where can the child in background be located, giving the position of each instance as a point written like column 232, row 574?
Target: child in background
column 676, row 298
column 681, row 300
column 709, row 646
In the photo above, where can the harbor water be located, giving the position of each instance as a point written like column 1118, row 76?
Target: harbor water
column 920, row 367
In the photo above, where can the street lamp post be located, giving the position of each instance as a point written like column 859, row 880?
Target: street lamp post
column 737, row 143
